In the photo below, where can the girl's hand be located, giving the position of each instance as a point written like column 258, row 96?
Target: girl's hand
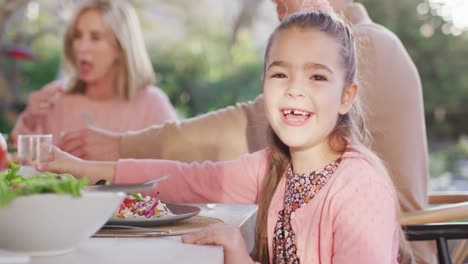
column 62, row 162
column 227, row 236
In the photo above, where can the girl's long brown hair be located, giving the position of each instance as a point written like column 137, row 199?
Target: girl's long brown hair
column 350, row 129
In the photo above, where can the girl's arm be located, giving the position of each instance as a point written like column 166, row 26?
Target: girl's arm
column 235, row 181
column 366, row 226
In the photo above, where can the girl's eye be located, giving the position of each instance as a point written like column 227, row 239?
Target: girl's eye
column 278, row 75
column 319, row 78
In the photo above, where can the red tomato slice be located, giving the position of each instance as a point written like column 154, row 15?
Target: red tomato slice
column 129, row 202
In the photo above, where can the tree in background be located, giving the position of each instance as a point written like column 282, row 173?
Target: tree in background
column 209, row 58
column 7, row 91
column 440, row 52
column 21, row 28
column 207, row 53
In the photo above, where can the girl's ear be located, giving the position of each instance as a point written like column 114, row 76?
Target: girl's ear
column 347, row 98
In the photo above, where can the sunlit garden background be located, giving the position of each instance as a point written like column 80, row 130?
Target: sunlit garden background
column 208, row 55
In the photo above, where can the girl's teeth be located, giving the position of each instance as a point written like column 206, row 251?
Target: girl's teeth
column 295, row 112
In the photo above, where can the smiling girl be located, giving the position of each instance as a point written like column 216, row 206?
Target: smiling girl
column 323, row 196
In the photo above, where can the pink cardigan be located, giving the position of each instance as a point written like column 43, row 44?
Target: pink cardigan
column 351, row 220
column 149, row 106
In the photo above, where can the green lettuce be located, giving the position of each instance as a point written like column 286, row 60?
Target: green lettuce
column 13, row 185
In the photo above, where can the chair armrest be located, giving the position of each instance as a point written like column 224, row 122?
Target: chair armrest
column 448, row 197
column 440, row 232
column 442, row 213
column 454, row 230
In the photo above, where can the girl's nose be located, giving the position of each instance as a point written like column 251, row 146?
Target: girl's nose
column 295, row 90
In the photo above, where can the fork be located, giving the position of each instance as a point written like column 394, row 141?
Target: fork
column 88, row 120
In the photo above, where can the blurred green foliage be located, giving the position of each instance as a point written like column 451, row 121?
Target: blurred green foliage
column 449, row 157
column 44, row 70
column 202, row 73
column 206, row 75
column 441, row 58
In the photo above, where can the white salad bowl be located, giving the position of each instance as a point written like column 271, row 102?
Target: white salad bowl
column 52, row 224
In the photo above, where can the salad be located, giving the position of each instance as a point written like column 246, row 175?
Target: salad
column 137, row 206
column 13, row 185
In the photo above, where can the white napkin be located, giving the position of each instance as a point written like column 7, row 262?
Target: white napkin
column 13, row 257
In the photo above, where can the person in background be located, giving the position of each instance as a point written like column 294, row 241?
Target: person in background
column 109, row 79
column 324, row 195
column 388, row 78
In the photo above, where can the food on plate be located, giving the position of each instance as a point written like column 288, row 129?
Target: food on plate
column 136, row 205
column 13, row 185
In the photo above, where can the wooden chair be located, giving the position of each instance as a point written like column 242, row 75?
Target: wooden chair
column 436, row 223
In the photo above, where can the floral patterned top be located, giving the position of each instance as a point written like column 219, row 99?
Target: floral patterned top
column 300, row 189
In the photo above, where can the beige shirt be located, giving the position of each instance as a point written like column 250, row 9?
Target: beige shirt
column 390, row 88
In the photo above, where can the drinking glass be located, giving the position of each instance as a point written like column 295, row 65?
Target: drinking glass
column 32, row 152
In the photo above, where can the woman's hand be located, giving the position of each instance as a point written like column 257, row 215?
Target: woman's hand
column 41, row 102
column 227, row 236
column 62, row 162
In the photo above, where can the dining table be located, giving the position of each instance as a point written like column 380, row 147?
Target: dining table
column 163, row 249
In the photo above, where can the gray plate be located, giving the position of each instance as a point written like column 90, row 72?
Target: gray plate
column 180, row 212
column 128, row 188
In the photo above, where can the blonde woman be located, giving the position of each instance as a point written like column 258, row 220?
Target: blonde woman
column 108, row 82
